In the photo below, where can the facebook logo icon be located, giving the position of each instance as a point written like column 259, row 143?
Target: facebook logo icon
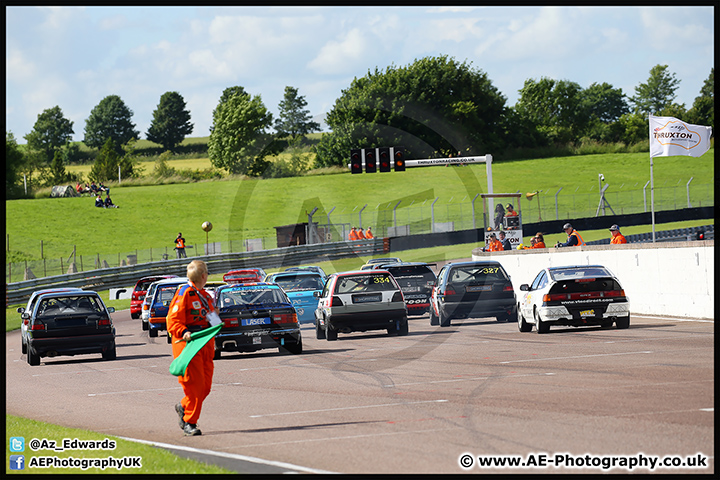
column 17, row 462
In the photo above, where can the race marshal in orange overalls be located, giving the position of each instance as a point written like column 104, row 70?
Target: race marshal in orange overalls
column 188, row 313
column 180, row 246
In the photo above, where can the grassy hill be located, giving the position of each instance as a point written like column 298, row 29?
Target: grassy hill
column 243, row 208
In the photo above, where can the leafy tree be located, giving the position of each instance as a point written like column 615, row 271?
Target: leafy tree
column 604, row 102
column 703, row 108
column 58, row 175
column 659, row 91
column 633, row 128
column 238, row 141
column 171, row 121
column 110, row 119
column 294, row 120
column 14, row 160
column 50, row 132
column 434, row 107
column 556, row 107
column 105, row 167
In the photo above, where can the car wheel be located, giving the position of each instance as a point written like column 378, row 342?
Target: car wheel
column 523, row 326
column 404, row 328
column 433, row 318
column 319, row 331
column 145, row 325
column 540, row 326
column 110, row 353
column 32, row 356
column 503, row 318
column 295, row 348
column 169, row 337
column 152, row 332
column 623, row 322
column 330, row 333
column 217, row 354
column 444, row 319
column 135, row 315
column 24, row 346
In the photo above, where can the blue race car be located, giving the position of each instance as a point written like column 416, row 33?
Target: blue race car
column 300, row 286
column 256, row 316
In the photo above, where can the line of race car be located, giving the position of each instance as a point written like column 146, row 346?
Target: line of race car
column 261, row 311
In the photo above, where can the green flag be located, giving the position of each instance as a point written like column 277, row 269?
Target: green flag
column 196, row 342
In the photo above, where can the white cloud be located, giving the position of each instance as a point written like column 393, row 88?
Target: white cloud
column 339, row 56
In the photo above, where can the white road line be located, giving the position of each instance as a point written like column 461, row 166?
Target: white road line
column 122, row 392
column 75, row 372
column 486, row 377
column 577, row 356
column 232, row 456
column 346, row 437
column 346, row 408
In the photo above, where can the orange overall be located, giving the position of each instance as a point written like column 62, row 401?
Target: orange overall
column 187, row 312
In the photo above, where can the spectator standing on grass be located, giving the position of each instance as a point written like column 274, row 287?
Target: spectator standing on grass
column 180, row 246
column 617, row 237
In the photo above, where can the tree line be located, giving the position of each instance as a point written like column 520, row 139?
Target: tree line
column 434, row 107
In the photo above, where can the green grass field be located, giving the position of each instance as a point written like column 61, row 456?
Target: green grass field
column 151, row 216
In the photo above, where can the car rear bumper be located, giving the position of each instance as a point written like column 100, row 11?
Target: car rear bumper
column 483, row 308
column 157, row 323
column 251, row 340
column 585, row 315
column 72, row 345
column 360, row 322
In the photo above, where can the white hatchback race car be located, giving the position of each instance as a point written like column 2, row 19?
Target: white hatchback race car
column 573, row 296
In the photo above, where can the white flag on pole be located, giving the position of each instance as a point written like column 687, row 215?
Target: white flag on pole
column 670, row 136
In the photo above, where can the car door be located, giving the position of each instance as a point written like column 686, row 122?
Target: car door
column 436, row 286
column 526, row 305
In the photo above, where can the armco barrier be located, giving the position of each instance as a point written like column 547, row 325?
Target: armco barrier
column 668, row 278
column 125, row 276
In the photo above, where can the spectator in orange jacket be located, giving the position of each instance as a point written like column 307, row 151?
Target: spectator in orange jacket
column 361, row 234
column 493, row 244
column 368, row 233
column 510, row 211
column 617, row 237
column 353, row 234
column 188, row 312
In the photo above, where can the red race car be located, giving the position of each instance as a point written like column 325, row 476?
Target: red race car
column 139, row 292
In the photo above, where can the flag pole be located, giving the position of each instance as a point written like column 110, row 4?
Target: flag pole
column 652, row 199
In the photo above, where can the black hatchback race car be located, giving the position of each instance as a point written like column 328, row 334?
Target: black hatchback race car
column 472, row 289
column 67, row 322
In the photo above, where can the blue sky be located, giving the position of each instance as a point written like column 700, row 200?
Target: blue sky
column 73, row 57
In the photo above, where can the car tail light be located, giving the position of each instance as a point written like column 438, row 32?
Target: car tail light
column 230, row 322
column 556, row 297
column 104, row 322
column 448, row 291
column 336, row 302
column 285, row 318
column 38, row 326
column 152, row 312
column 397, row 297
column 507, row 288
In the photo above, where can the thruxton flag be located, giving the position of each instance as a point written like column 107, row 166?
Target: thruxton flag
column 670, row 136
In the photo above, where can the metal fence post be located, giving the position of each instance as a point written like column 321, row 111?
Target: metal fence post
column 688, row 191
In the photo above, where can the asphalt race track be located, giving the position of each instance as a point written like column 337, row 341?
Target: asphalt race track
column 423, row 403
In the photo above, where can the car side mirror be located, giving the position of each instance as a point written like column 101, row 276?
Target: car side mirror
column 525, row 287
column 20, row 309
column 25, row 315
column 111, row 309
